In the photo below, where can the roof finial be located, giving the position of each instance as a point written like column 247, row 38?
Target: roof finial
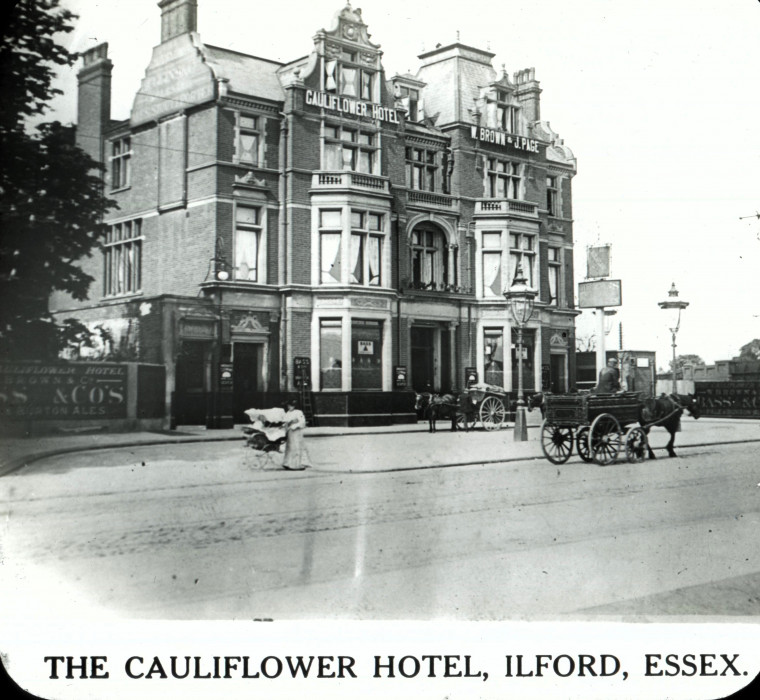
column 457, row 36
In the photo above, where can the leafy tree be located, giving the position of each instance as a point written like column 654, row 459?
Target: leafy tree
column 750, row 351
column 51, row 199
column 683, row 360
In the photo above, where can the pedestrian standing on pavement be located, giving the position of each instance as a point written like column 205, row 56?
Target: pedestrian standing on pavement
column 296, row 457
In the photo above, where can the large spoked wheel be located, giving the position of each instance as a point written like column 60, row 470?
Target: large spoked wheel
column 556, row 442
column 492, row 413
column 463, row 421
column 605, row 439
column 635, row 445
column 581, row 444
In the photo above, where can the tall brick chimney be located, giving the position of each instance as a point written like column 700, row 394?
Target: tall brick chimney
column 529, row 93
column 178, row 17
column 94, row 100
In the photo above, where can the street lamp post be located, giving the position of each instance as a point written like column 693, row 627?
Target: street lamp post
column 673, row 305
column 520, row 298
column 215, row 417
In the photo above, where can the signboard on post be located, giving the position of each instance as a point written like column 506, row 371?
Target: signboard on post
column 302, row 371
column 598, row 261
column 598, row 294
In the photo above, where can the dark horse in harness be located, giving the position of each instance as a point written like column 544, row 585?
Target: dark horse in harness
column 437, row 406
column 665, row 411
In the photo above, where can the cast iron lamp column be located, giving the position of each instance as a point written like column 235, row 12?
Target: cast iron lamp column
column 673, row 305
column 520, row 298
column 221, row 273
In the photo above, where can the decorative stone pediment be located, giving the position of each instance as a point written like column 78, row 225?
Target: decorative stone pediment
column 247, row 323
column 348, row 26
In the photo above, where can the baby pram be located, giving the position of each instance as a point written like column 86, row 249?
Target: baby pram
column 267, row 431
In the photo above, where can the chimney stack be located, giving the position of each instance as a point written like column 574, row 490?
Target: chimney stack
column 529, row 93
column 94, row 100
column 178, row 17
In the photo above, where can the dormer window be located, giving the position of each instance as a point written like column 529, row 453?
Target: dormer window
column 346, row 77
column 411, row 98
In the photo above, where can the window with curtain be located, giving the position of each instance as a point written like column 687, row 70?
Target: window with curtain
column 503, row 179
column 330, row 236
column 553, row 256
column 366, row 248
column 350, row 149
column 247, row 139
column 248, row 233
column 493, row 282
column 430, row 259
column 346, row 77
column 122, row 259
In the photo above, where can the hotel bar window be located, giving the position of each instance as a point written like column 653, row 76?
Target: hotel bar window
column 421, row 169
column 366, row 248
column 121, row 156
column 122, row 258
column 330, row 234
column 366, row 354
column 347, row 78
column 503, row 179
column 552, row 195
column 350, row 149
column 248, row 243
column 529, row 377
column 493, row 356
column 247, row 139
column 522, row 249
column 430, row 259
column 553, row 255
column 330, row 353
column 493, row 285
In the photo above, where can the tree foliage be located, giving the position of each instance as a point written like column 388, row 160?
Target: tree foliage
column 684, row 360
column 51, row 200
column 750, row 351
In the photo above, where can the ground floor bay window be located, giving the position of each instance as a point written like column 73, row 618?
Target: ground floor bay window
column 528, row 360
column 493, row 356
column 330, row 353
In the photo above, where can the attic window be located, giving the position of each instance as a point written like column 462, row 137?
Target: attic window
column 349, row 80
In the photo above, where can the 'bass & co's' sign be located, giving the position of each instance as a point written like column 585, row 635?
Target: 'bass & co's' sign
column 63, row 391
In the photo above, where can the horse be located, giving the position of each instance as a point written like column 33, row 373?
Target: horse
column 665, row 411
column 436, row 406
column 537, row 401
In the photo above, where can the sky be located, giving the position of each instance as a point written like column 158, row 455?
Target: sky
column 658, row 100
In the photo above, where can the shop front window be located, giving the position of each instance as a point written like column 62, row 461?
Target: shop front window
column 366, row 355
column 330, row 352
column 493, row 356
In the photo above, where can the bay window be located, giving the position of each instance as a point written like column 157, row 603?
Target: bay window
column 493, row 285
column 522, row 249
column 503, row 178
column 366, row 248
column 330, row 235
column 349, row 149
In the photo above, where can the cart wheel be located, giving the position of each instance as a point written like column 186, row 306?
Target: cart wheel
column 492, row 413
column 605, row 439
column 462, row 422
column 581, row 443
column 635, row 445
column 556, row 442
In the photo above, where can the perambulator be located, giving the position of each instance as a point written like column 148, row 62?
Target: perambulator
column 267, row 432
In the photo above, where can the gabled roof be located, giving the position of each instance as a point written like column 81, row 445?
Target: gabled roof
column 247, row 75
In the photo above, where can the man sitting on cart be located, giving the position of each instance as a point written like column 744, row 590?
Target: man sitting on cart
column 609, row 379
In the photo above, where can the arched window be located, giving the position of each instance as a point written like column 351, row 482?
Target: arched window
column 433, row 261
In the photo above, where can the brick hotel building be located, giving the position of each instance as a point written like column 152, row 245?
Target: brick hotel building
column 321, row 209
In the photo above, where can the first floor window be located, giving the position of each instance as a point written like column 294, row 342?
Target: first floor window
column 554, row 275
column 421, row 169
column 366, row 354
column 522, row 250
column 330, row 234
column 493, row 356
column 330, row 353
column 247, row 243
column 493, row 284
column 366, row 248
column 248, row 139
column 350, row 149
column 122, row 255
column 430, row 260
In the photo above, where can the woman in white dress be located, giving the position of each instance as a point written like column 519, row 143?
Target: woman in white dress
column 296, row 457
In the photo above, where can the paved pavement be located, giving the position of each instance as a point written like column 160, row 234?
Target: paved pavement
column 365, row 448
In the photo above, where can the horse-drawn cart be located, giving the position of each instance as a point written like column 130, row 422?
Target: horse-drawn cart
column 487, row 403
column 597, row 424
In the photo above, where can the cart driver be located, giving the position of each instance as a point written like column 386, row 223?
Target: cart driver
column 609, row 378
